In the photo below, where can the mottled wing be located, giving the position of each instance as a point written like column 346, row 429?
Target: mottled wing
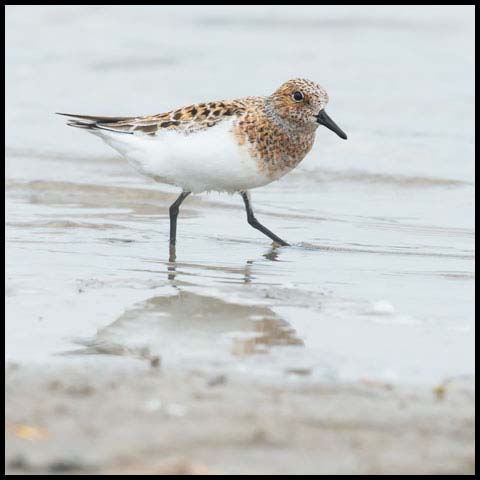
column 186, row 120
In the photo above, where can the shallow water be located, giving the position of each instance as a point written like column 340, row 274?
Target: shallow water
column 378, row 283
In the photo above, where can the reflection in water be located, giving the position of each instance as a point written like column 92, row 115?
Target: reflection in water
column 368, row 210
column 271, row 331
column 271, row 255
column 171, row 267
column 193, row 326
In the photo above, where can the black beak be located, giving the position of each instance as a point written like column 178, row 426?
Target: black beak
column 325, row 120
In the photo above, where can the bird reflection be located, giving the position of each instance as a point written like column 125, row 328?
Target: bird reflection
column 191, row 324
column 197, row 322
column 171, row 267
column 272, row 254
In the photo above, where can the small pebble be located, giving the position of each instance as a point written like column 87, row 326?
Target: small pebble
column 155, row 362
column 217, row 380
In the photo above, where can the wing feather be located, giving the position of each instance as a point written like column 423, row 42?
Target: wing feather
column 187, row 120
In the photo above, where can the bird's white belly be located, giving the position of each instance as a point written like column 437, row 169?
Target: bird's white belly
column 207, row 160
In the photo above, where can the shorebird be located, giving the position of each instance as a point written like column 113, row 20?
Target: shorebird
column 226, row 146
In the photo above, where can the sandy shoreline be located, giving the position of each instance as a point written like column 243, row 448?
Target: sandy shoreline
column 142, row 419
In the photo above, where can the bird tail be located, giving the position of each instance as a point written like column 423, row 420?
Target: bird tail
column 89, row 122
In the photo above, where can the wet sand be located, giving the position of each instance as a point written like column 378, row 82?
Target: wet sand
column 143, row 420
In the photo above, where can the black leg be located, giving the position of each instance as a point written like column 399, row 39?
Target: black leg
column 256, row 224
column 173, row 216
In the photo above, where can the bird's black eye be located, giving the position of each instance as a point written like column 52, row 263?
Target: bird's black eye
column 297, row 96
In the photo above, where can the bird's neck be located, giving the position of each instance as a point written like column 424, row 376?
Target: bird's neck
column 277, row 145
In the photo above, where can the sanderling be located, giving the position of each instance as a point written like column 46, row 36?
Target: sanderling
column 226, row 146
